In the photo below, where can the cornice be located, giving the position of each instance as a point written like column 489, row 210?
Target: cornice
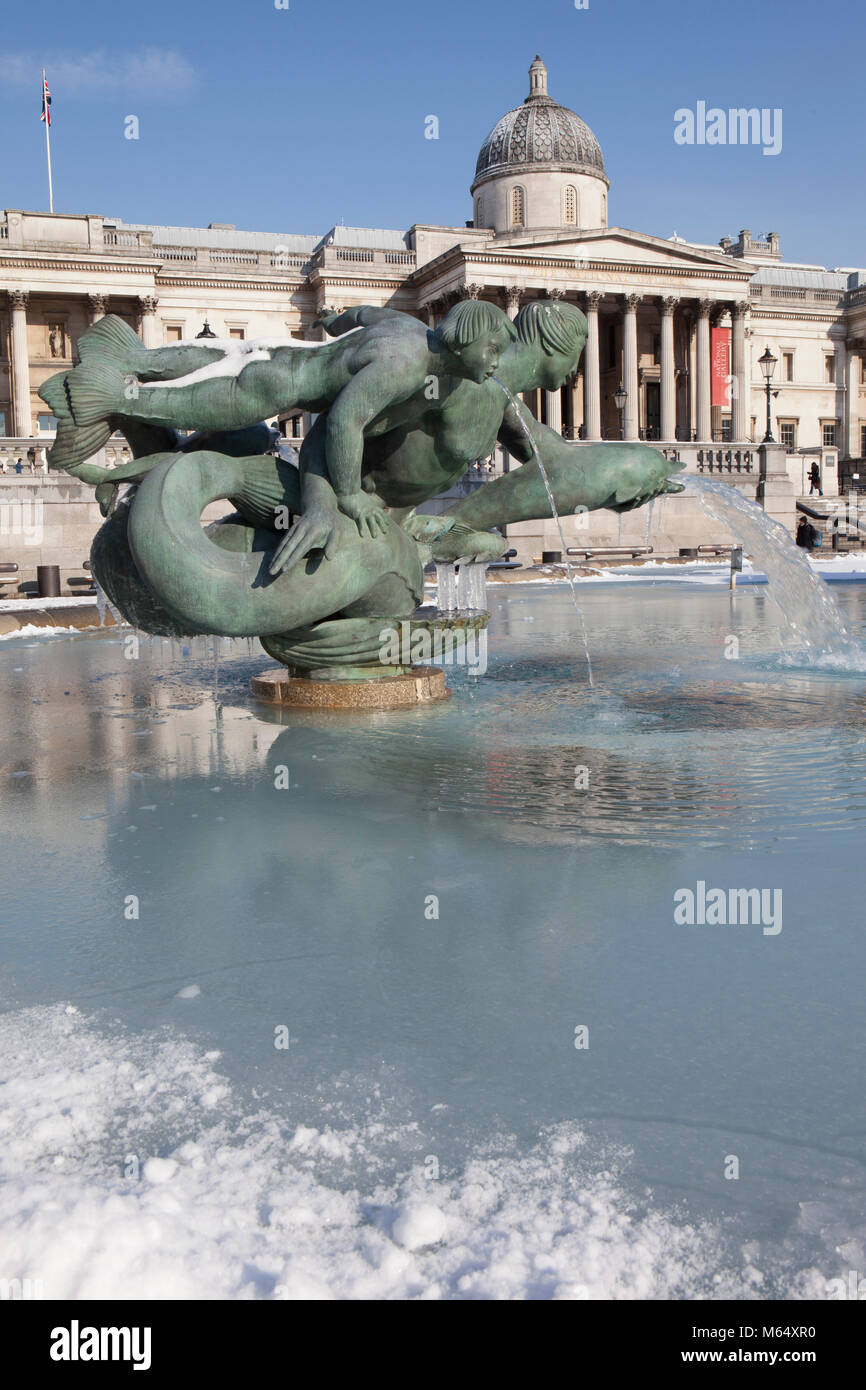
column 516, row 169
column 213, row 282
column 107, row 267
column 763, row 312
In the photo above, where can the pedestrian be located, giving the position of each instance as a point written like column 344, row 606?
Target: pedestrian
column 806, row 534
column 815, row 480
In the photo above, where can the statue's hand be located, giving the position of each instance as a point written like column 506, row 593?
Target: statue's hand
column 315, row 530
column 367, row 513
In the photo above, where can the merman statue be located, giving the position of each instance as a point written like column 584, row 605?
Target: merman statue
column 402, row 412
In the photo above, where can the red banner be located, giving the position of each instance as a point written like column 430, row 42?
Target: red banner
column 720, row 357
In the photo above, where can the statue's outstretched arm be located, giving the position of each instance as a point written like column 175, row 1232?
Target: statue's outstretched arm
column 581, row 477
column 359, row 316
column 318, row 525
column 512, row 435
column 370, row 391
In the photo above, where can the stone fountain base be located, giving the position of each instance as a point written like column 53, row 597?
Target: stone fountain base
column 418, row 685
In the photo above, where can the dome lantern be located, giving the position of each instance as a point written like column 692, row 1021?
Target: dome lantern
column 537, row 80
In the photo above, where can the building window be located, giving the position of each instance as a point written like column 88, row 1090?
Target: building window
column 173, row 333
column 569, row 215
column 830, row 369
column 726, row 430
column 788, row 433
column 518, row 207
column 479, row 213
column 46, row 424
column 863, row 441
column 787, row 366
column 604, row 209
column 828, row 434
column 238, row 334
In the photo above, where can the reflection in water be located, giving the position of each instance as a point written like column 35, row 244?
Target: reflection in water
column 305, row 907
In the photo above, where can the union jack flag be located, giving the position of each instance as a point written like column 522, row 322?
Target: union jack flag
column 46, row 103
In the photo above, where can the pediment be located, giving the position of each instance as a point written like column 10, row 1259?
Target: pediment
column 621, row 245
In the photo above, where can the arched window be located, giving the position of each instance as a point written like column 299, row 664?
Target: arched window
column 479, row 213
column 604, row 209
column 569, row 206
column 518, row 207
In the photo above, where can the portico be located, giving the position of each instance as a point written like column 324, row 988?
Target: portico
column 649, row 308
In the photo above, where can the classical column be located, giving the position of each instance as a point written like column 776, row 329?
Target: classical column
column 852, row 403
column 150, row 334
column 692, row 401
column 668, row 371
column 578, row 409
column 703, row 365
column 22, row 422
column 553, row 410
column 97, row 306
column 591, row 375
column 629, row 366
column 740, row 380
column 512, row 300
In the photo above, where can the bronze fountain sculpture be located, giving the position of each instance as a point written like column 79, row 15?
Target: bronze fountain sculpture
column 316, row 558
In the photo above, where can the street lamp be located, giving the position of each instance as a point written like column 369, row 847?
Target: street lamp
column 620, row 396
column 767, row 364
column 206, row 330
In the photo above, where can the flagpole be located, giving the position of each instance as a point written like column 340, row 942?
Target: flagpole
column 47, row 111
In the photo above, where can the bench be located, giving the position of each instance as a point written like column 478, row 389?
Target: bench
column 82, row 583
column 8, row 572
column 590, row 552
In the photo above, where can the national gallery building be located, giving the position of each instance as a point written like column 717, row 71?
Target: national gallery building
column 676, row 329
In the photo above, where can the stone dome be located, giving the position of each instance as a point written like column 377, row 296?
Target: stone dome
column 540, row 132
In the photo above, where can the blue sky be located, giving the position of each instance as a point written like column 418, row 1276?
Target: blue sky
column 293, row 119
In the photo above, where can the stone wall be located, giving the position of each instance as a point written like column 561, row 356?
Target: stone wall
column 46, row 521
column 51, row 520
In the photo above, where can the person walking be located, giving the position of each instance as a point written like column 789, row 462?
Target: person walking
column 806, row 534
column 815, row 480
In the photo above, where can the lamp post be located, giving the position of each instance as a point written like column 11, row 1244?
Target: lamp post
column 206, row 330
column 767, row 364
column 620, row 396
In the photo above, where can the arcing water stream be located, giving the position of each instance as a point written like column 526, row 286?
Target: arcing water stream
column 811, row 614
column 563, row 543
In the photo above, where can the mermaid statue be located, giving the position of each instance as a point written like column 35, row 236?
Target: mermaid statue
column 316, row 556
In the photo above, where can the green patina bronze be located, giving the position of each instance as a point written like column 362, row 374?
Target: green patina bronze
column 316, row 558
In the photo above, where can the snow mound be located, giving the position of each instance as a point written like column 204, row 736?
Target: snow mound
column 130, row 1170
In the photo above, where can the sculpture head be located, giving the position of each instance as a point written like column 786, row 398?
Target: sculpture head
column 554, row 333
column 476, row 334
